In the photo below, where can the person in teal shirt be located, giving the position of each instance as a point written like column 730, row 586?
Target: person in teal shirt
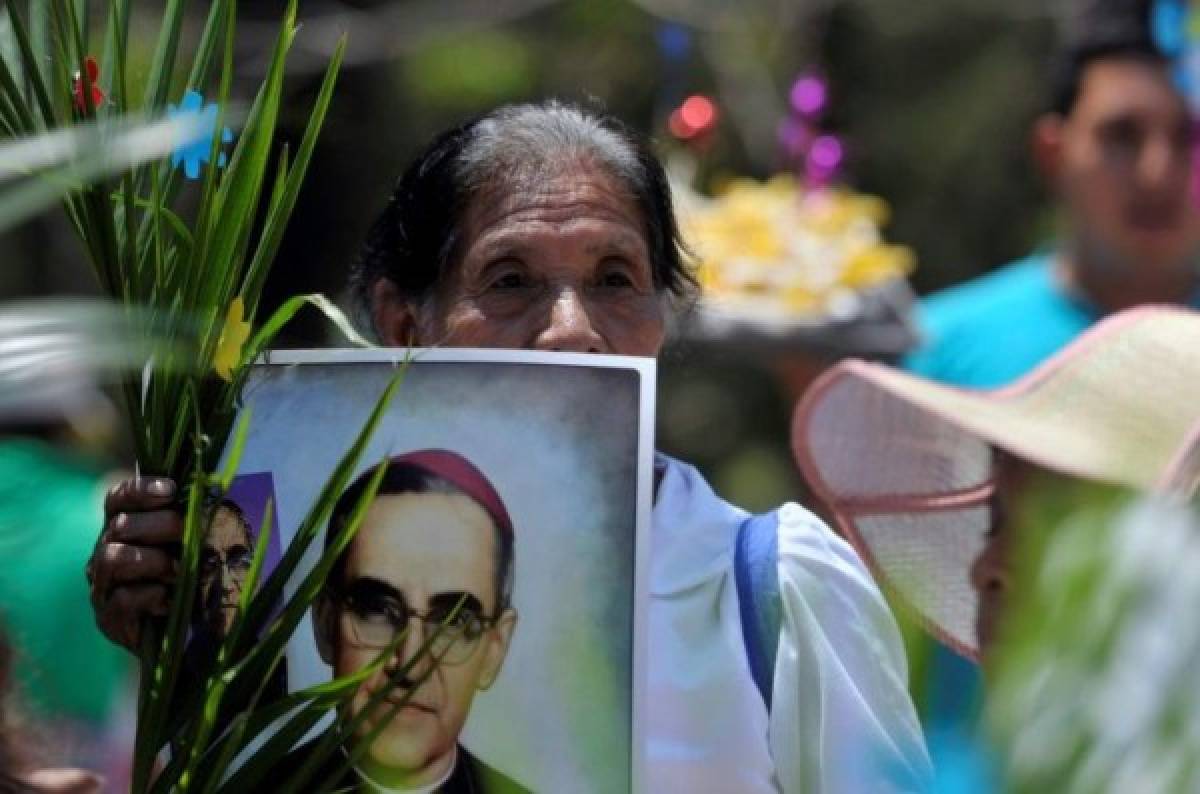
column 1117, row 152
column 992, row 330
column 1116, row 149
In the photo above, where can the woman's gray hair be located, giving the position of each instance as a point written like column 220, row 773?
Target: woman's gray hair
column 416, row 239
column 520, row 142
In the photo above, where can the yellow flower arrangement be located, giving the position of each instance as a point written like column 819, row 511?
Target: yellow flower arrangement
column 774, row 251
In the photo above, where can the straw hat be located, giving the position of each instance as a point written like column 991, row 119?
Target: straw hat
column 905, row 464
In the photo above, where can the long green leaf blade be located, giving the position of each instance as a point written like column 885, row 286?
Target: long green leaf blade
column 158, row 82
column 238, row 196
column 277, row 219
column 32, row 65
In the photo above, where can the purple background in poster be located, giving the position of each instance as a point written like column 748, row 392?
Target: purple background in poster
column 251, row 493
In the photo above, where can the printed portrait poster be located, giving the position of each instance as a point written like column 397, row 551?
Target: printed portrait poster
column 235, row 519
column 517, row 496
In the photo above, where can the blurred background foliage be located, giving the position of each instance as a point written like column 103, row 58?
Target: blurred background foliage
column 933, row 99
column 1092, row 687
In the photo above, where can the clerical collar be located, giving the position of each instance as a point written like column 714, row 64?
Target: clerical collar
column 375, row 787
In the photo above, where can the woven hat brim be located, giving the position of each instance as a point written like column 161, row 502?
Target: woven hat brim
column 898, row 458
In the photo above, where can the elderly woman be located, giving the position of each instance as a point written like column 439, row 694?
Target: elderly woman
column 544, row 227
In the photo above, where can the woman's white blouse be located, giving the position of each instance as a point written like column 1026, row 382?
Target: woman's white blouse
column 841, row 718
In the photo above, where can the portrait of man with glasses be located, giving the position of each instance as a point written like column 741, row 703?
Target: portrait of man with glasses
column 429, row 576
column 224, row 563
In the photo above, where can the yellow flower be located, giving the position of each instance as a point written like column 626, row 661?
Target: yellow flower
column 878, row 263
column 233, row 335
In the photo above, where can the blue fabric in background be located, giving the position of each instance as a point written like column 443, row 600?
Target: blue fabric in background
column 994, row 329
column 962, row 764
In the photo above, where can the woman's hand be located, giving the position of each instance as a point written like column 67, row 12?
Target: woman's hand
column 136, row 557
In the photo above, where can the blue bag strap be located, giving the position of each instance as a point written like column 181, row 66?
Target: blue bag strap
column 756, row 573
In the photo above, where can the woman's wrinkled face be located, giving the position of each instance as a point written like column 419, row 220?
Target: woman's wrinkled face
column 560, row 264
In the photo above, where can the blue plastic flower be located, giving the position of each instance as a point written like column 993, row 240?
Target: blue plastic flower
column 195, row 151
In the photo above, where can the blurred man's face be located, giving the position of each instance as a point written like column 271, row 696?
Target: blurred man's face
column 1122, row 163
column 224, row 563
column 427, row 553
